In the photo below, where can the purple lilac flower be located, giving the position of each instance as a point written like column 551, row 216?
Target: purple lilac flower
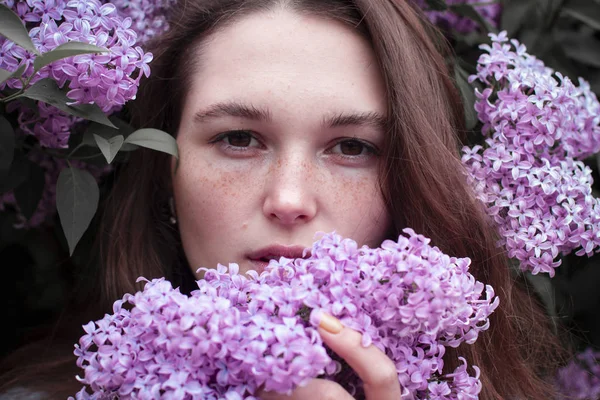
column 538, row 127
column 238, row 333
column 580, row 379
column 107, row 79
column 46, row 208
column 490, row 10
column 149, row 18
column 51, row 126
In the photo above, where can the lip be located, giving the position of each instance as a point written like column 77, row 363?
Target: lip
column 276, row 252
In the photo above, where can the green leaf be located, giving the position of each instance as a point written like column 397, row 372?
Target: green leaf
column 466, row 10
column 467, row 42
column 548, row 13
column 154, row 139
column 515, row 14
column 6, row 75
column 77, row 197
column 13, row 29
column 7, row 144
column 65, row 50
column 47, row 90
column 124, row 128
column 437, row 5
column 542, row 285
column 107, row 133
column 556, row 58
column 585, row 11
column 29, row 193
column 583, row 49
column 467, row 93
column 110, row 147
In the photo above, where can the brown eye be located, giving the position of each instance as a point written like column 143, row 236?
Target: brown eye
column 351, row 148
column 239, row 139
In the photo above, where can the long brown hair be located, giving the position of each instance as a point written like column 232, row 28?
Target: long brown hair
column 421, row 177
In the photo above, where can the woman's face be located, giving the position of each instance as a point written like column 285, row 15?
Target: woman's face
column 278, row 140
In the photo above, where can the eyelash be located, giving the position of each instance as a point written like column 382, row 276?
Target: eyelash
column 220, row 139
column 371, row 150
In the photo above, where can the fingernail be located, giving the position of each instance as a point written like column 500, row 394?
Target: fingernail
column 330, row 323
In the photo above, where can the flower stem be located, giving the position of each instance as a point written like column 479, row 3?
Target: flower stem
column 80, row 145
column 21, row 91
column 86, row 157
column 12, row 96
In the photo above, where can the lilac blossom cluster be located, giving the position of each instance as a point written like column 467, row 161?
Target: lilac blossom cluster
column 580, row 379
column 538, row 127
column 46, row 208
column 149, row 18
column 107, row 79
column 490, row 10
column 237, row 334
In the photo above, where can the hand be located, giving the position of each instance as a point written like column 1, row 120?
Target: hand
column 377, row 372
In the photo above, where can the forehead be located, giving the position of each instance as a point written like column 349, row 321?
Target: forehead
column 287, row 59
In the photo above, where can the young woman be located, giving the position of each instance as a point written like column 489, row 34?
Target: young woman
column 299, row 116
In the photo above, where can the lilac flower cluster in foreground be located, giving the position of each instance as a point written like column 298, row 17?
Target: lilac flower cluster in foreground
column 106, row 79
column 580, row 379
column 538, row 127
column 448, row 20
column 236, row 333
column 46, row 208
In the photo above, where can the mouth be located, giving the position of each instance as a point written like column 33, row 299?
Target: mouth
column 262, row 257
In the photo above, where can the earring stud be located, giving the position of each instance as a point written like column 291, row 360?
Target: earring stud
column 172, row 218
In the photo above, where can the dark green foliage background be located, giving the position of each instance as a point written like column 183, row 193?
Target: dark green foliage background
column 40, row 277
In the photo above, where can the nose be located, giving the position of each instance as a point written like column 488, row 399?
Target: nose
column 290, row 197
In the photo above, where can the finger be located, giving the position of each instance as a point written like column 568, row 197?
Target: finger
column 374, row 368
column 316, row 389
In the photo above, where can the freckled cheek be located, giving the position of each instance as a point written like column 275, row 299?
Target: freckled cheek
column 206, row 190
column 205, row 187
column 359, row 207
column 356, row 193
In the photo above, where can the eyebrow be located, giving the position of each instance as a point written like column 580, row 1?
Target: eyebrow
column 252, row 112
column 233, row 109
column 371, row 119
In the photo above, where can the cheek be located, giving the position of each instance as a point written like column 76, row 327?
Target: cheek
column 213, row 207
column 209, row 200
column 351, row 193
column 361, row 212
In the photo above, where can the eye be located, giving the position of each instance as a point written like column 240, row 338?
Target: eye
column 353, row 148
column 238, row 138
